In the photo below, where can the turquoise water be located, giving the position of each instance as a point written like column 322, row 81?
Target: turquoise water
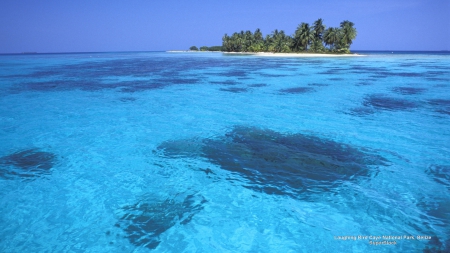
column 203, row 152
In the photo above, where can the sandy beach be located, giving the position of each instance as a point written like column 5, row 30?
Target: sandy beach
column 267, row 54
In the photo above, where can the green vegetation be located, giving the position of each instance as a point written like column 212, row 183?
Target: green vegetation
column 215, row 48
column 313, row 39
column 205, row 48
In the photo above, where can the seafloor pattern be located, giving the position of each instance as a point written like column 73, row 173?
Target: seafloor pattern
column 139, row 152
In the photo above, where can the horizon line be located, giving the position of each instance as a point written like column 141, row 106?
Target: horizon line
column 149, row 51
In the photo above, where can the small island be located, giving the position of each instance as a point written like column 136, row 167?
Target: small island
column 315, row 40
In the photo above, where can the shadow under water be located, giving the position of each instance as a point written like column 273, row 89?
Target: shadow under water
column 146, row 220
column 281, row 164
column 28, row 163
column 440, row 174
column 409, row 90
column 297, row 90
column 234, row 89
column 440, row 105
column 383, row 102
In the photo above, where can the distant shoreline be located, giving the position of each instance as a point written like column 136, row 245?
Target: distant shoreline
column 192, row 51
column 269, row 54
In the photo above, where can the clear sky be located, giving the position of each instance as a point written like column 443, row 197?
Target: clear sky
column 154, row 25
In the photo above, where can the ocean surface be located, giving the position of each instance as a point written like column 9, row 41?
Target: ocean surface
column 205, row 152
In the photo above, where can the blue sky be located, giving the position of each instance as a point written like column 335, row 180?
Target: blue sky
column 153, row 25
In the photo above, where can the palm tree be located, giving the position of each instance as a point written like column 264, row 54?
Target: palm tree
column 267, row 42
column 226, row 45
column 281, row 42
column 305, row 35
column 338, row 39
column 318, row 29
column 331, row 37
column 258, row 35
column 296, row 41
column 270, row 43
column 258, row 41
column 348, row 33
column 248, row 41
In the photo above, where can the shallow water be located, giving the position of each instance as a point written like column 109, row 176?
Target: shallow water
column 183, row 152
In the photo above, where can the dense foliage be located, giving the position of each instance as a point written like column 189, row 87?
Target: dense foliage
column 205, row 48
column 306, row 38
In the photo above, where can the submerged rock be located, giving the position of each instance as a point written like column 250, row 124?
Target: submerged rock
column 318, row 84
column 437, row 215
column 440, row 174
column 383, row 102
column 297, row 90
column 146, row 220
column 257, row 85
column 283, row 164
column 440, row 105
column 234, row 89
column 409, row 90
column 27, row 163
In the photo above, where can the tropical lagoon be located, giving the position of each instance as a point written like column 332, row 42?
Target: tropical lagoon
column 212, row 152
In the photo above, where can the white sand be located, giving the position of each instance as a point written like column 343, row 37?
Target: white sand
column 294, row 54
column 264, row 54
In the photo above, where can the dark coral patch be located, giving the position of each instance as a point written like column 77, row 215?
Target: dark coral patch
column 27, row 163
column 407, row 74
column 438, row 214
column 364, row 83
column 234, row 73
column 435, row 245
column 438, row 79
column 282, row 164
column 272, row 75
column 368, row 69
column 441, row 105
column 234, row 89
column 437, row 73
column 173, row 80
column 181, row 148
column 90, row 75
column 138, row 86
column 333, row 71
column 257, row 85
column 227, row 82
column 407, row 65
column 439, row 102
column 384, row 74
column 145, row 221
column 409, row 90
column 440, row 174
column 382, row 102
column 318, row 84
column 297, row 90
column 89, row 85
column 59, row 85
